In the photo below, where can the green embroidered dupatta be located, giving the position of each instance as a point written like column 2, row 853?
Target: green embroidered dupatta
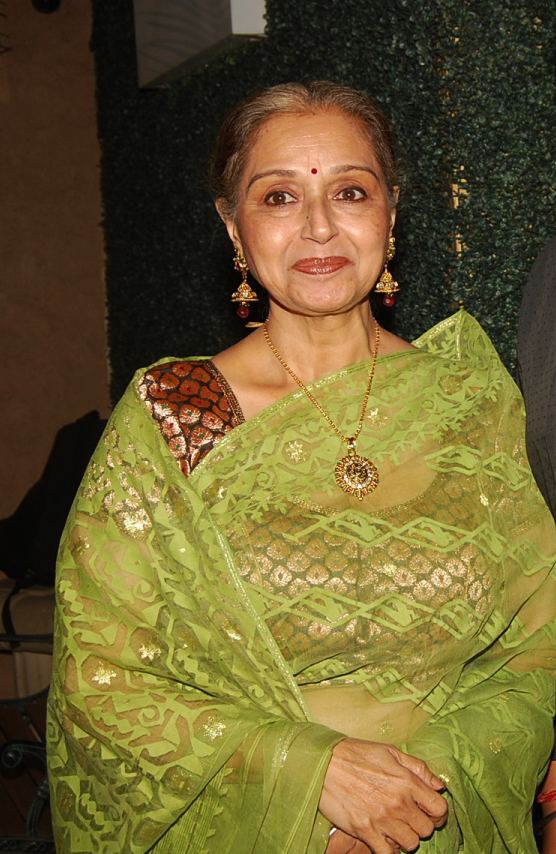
column 197, row 616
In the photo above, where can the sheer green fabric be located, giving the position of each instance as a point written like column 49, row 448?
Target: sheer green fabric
column 216, row 635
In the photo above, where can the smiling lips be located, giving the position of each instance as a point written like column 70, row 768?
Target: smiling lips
column 321, row 266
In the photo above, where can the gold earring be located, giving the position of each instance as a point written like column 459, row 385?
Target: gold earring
column 244, row 294
column 387, row 285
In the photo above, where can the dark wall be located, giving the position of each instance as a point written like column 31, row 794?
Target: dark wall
column 470, row 89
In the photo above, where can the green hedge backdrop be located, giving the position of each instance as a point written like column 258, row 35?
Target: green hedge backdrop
column 470, row 87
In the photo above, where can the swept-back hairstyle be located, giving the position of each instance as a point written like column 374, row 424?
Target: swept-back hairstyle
column 241, row 125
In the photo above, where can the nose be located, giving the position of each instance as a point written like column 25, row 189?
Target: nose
column 319, row 224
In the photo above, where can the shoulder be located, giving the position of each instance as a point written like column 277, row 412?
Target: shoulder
column 171, row 379
column 191, row 404
column 391, row 343
column 461, row 340
column 537, row 320
column 465, row 362
column 543, row 272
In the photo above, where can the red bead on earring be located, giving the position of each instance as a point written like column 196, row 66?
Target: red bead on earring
column 244, row 294
column 387, row 285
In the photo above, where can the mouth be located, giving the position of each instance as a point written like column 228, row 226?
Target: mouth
column 321, row 266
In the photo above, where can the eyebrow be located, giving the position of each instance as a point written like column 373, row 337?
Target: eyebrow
column 280, row 173
column 291, row 173
column 350, row 167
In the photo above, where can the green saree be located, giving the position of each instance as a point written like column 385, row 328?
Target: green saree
column 217, row 634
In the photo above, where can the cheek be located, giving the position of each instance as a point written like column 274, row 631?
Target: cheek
column 367, row 223
column 267, row 246
column 370, row 237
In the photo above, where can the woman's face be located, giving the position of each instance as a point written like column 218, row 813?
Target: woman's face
column 313, row 215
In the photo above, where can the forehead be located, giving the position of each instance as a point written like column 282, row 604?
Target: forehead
column 328, row 137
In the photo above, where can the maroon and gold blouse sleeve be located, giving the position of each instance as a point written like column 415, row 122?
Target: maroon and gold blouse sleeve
column 193, row 406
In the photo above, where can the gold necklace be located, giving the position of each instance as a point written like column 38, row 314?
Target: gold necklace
column 355, row 474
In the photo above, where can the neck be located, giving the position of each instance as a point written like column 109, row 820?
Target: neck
column 316, row 346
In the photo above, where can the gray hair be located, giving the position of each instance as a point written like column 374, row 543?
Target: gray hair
column 238, row 131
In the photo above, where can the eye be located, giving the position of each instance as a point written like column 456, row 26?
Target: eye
column 351, row 194
column 277, row 198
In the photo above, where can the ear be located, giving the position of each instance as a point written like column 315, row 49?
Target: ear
column 394, row 208
column 228, row 221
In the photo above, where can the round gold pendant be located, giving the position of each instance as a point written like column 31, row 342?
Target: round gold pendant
column 356, row 475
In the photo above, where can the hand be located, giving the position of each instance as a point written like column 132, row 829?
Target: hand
column 343, row 843
column 381, row 796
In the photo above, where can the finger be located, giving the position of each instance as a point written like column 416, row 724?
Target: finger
column 380, row 844
column 341, row 843
column 420, row 769
column 403, row 836
column 439, row 821
column 426, row 799
column 422, row 824
column 433, row 804
column 426, row 792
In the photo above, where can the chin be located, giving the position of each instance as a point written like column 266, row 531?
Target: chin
column 330, row 304
column 321, row 311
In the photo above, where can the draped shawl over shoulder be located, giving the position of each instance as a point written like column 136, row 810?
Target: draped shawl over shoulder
column 207, row 624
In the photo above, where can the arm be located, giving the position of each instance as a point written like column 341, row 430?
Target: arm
column 492, row 738
column 167, row 715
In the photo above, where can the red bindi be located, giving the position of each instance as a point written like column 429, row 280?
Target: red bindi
column 314, row 171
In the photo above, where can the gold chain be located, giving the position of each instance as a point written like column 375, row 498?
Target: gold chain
column 349, row 440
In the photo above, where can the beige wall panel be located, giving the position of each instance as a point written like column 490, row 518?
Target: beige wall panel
column 52, row 306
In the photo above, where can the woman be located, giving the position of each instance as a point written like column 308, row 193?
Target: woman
column 304, row 592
